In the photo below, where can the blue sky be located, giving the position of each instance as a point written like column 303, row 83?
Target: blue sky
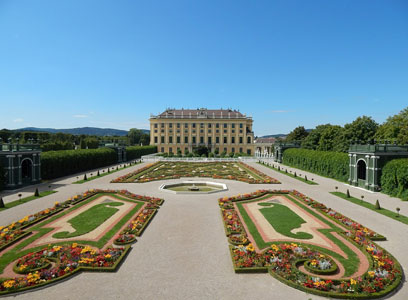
column 286, row 63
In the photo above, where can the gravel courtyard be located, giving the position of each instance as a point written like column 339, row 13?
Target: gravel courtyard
column 183, row 254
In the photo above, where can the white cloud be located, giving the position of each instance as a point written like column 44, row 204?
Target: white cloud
column 18, row 120
column 80, row 116
column 279, row 111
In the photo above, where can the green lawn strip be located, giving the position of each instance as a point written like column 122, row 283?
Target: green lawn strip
column 15, row 253
column 89, row 219
column 284, row 220
column 291, row 175
column 103, row 174
column 256, row 176
column 26, row 199
column 351, row 264
column 383, row 211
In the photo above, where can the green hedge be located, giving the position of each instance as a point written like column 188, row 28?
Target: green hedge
column 326, row 163
column 56, row 164
column 2, row 177
column 134, row 152
column 394, row 178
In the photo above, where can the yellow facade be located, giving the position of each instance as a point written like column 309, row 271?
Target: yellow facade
column 185, row 129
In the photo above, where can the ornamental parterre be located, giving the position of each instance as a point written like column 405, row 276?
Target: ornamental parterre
column 34, row 260
column 300, row 263
column 216, row 170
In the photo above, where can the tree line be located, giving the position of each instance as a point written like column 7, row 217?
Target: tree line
column 64, row 141
column 364, row 130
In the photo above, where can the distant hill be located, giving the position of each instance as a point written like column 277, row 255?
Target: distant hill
column 279, row 135
column 83, row 130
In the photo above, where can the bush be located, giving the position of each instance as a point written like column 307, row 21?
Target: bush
column 326, row 163
column 56, row 164
column 394, row 178
column 135, row 152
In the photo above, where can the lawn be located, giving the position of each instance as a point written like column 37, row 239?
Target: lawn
column 298, row 177
column 388, row 213
column 26, row 199
column 90, row 219
column 284, row 220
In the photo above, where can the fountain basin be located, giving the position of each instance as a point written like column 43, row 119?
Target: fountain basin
column 194, row 187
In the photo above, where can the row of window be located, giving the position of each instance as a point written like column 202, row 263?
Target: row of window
column 193, row 125
column 194, row 140
column 194, row 131
column 217, row 150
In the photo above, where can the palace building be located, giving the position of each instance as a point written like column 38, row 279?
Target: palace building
column 220, row 130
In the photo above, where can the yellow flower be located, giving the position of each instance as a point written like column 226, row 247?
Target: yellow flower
column 380, row 263
column 9, row 284
column 33, row 277
column 352, row 281
column 56, row 248
column 67, row 269
column 250, row 247
column 369, row 249
column 107, row 256
column 74, row 245
column 275, row 248
column 371, row 273
column 22, row 267
column 294, row 245
column 56, row 203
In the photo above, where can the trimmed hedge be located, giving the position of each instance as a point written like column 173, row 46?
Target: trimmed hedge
column 138, row 151
column 326, row 163
column 2, row 177
column 394, row 178
column 56, row 164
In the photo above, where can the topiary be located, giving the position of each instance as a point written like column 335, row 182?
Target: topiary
column 1, row 202
column 85, row 178
column 97, row 174
column 36, row 193
column 295, row 174
column 377, row 205
column 348, row 193
column 305, row 178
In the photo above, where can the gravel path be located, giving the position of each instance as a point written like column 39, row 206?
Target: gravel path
column 183, row 254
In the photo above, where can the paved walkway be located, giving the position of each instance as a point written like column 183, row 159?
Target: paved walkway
column 183, row 254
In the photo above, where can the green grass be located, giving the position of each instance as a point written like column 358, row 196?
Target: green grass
column 26, row 199
column 291, row 175
column 350, row 263
column 284, row 220
column 383, row 211
column 103, row 174
column 89, row 219
column 20, row 250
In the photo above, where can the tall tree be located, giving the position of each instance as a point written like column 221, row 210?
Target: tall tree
column 312, row 140
column 362, row 129
column 134, row 136
column 297, row 135
column 395, row 128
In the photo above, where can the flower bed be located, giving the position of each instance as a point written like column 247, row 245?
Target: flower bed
column 65, row 260
column 217, row 170
column 44, row 265
column 125, row 239
column 283, row 260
